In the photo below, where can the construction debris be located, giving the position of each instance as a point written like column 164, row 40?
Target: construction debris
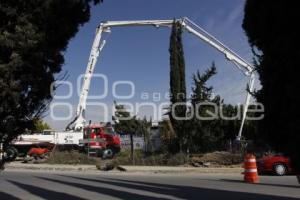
column 215, row 159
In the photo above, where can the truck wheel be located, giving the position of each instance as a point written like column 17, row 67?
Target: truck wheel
column 280, row 169
column 108, row 153
column 11, row 153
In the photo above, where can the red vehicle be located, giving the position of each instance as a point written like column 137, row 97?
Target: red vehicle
column 104, row 141
column 278, row 164
column 38, row 152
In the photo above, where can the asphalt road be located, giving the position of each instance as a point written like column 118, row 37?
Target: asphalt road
column 131, row 186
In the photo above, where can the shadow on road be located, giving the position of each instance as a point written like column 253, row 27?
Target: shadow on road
column 184, row 192
column 6, row 196
column 42, row 192
column 268, row 184
column 104, row 191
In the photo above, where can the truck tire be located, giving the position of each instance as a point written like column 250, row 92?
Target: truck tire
column 280, row 169
column 108, row 153
column 11, row 153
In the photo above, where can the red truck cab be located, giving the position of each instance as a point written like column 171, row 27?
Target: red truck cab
column 104, row 140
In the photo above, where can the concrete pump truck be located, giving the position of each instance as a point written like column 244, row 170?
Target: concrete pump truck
column 78, row 132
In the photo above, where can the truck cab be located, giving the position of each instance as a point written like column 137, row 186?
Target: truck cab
column 102, row 140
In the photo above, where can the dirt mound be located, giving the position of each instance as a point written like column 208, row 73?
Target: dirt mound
column 217, row 158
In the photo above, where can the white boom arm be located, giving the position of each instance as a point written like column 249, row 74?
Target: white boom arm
column 188, row 25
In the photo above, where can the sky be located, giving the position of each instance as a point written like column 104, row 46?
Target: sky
column 140, row 55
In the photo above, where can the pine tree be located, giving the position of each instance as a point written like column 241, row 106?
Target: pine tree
column 204, row 134
column 34, row 35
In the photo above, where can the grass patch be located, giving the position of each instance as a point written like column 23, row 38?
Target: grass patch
column 179, row 159
column 154, row 159
column 70, row 158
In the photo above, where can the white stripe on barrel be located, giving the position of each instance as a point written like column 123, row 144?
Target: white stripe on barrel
column 250, row 170
column 251, row 160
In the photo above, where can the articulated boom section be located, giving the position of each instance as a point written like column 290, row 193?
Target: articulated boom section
column 191, row 27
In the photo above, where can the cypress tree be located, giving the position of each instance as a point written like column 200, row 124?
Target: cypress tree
column 177, row 83
column 271, row 27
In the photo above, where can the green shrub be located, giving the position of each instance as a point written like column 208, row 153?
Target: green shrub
column 177, row 159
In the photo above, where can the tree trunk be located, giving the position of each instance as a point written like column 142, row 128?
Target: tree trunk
column 146, row 143
column 131, row 149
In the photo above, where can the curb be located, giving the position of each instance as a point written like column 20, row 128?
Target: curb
column 126, row 169
column 43, row 167
column 160, row 169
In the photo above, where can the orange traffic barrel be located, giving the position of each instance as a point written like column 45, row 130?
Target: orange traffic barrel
column 250, row 173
